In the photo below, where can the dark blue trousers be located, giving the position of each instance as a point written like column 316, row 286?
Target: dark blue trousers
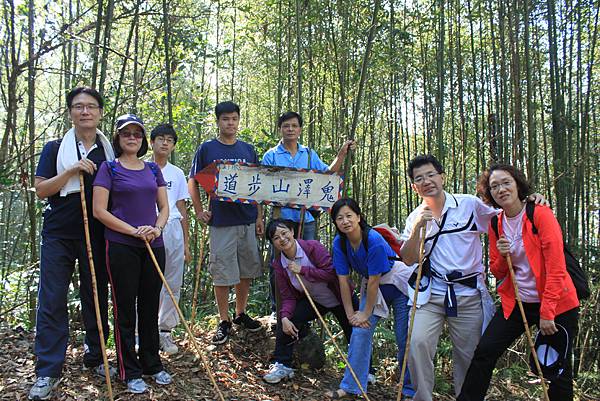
column 57, row 263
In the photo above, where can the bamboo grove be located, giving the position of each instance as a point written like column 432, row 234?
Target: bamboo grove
column 471, row 81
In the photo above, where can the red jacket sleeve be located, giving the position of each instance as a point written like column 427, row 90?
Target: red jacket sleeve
column 554, row 268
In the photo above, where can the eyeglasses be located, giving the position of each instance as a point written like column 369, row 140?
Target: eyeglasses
column 168, row 139
column 129, row 134
column 497, row 187
column 421, row 178
column 81, row 107
column 288, row 126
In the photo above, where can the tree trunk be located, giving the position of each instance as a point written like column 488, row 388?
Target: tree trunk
column 96, row 44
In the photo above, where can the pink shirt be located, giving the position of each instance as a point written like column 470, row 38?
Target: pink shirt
column 319, row 290
column 513, row 231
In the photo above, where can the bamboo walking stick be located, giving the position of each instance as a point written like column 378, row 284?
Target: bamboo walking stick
column 413, row 311
column 198, row 270
column 88, row 245
column 527, row 331
column 312, row 303
column 185, row 324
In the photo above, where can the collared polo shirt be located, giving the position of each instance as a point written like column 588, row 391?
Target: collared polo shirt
column 280, row 156
column 459, row 246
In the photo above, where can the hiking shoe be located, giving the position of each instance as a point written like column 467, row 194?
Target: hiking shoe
column 247, row 322
column 99, row 371
column 166, row 343
column 42, row 389
column 277, row 373
column 162, row 378
column 222, row 332
column 137, row 386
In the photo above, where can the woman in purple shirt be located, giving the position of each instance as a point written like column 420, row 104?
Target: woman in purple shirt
column 312, row 264
column 135, row 189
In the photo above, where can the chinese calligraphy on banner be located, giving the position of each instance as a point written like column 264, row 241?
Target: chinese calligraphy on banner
column 251, row 183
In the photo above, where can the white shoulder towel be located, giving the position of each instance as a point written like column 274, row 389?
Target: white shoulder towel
column 67, row 156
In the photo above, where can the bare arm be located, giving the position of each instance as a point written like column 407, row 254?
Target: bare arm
column 260, row 225
column 163, row 207
column 45, row 187
column 337, row 163
column 194, row 192
column 361, row 318
column 410, row 250
column 346, row 294
column 185, row 226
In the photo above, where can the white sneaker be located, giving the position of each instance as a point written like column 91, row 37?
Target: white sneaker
column 137, row 386
column 162, row 378
column 371, row 379
column 277, row 373
column 166, row 343
column 42, row 389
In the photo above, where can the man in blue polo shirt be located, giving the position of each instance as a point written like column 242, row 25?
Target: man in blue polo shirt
column 290, row 153
column 81, row 150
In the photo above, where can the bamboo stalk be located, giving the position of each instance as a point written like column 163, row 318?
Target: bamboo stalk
column 413, row 311
column 185, row 324
column 88, row 245
column 198, row 270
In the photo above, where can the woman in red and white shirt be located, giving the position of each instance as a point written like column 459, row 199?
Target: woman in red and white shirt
column 546, row 289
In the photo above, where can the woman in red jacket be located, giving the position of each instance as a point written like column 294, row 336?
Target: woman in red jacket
column 311, row 262
column 546, row 289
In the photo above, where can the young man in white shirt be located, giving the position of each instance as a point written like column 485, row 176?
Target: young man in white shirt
column 175, row 234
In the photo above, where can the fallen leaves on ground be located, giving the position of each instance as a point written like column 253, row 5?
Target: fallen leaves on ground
column 238, row 367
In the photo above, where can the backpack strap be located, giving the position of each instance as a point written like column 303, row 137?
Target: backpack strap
column 154, row 168
column 529, row 209
column 494, row 223
column 112, row 164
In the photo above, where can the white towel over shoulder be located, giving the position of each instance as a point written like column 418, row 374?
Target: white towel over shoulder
column 67, row 156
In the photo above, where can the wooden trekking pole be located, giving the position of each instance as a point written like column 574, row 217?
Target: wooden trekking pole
column 413, row 311
column 527, row 331
column 301, row 223
column 312, row 303
column 185, row 324
column 198, row 270
column 88, row 245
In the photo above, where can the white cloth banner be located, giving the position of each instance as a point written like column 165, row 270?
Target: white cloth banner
column 281, row 186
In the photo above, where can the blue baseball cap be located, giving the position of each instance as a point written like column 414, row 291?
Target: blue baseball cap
column 126, row 119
